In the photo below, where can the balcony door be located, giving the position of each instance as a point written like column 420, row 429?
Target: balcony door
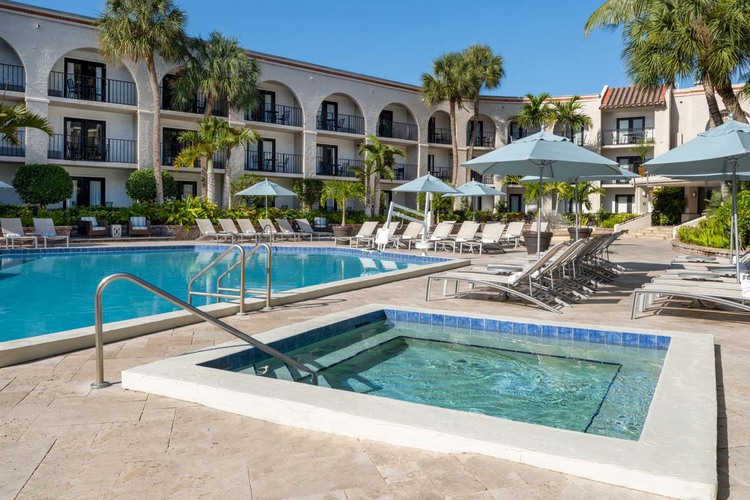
column 85, row 80
column 629, row 130
column 385, row 124
column 170, row 145
column 624, row 203
column 85, row 139
column 186, row 189
column 266, row 154
column 329, row 115
column 268, row 103
column 478, row 138
column 327, row 159
column 88, row 191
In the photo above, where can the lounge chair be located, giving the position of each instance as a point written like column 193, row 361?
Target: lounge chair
column 490, row 239
column 227, row 226
column 304, row 227
column 268, row 228
column 513, row 233
column 139, row 226
column 287, row 229
column 208, row 230
column 442, row 232
column 45, row 229
column 13, row 232
column 247, row 229
column 413, row 232
column 91, row 227
column 734, row 295
column 467, row 232
column 365, row 235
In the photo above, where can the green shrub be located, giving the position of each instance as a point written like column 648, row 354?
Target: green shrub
column 613, row 219
column 707, row 233
column 184, row 212
column 668, row 205
column 141, row 186
column 309, row 190
column 39, row 184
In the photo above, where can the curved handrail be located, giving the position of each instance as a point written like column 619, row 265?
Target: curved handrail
column 99, row 329
column 211, row 266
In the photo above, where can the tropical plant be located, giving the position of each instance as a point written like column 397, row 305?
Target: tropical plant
column 141, row 186
column 449, row 82
column 536, row 112
column 213, row 135
column 485, row 72
column 138, row 31
column 184, row 212
column 555, row 190
column 569, row 115
column 582, row 196
column 39, row 184
column 378, row 164
column 241, row 183
column 308, row 190
column 340, row 191
column 13, row 118
column 668, row 204
column 220, row 70
column 236, row 137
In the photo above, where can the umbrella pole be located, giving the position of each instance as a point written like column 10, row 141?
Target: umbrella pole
column 735, row 222
column 266, row 206
column 539, row 216
column 576, row 202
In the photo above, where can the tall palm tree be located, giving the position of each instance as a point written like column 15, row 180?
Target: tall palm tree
column 570, row 116
column 582, row 197
column 449, row 82
column 212, row 136
column 486, row 71
column 340, row 191
column 237, row 137
column 13, row 118
column 138, row 30
column 535, row 113
column 378, row 164
column 220, row 70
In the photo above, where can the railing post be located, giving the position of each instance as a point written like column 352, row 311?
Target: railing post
column 99, row 339
column 268, row 279
column 242, row 281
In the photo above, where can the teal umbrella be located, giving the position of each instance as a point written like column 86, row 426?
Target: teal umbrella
column 266, row 188
column 723, row 150
column 474, row 188
column 544, row 155
column 3, row 185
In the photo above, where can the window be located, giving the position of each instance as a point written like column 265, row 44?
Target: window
column 385, row 124
column 327, row 159
column 88, row 192
column 630, row 163
column 431, row 130
column 170, row 145
column 85, row 80
column 479, row 137
column 266, row 110
column 266, row 154
column 624, row 203
column 186, row 189
column 329, row 115
column 516, row 132
column 85, row 140
column 430, row 161
column 515, row 202
column 630, row 130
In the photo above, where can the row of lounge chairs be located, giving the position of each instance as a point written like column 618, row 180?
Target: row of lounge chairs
column 565, row 274
column 247, row 231
column 44, row 230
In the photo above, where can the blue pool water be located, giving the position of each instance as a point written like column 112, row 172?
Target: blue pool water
column 602, row 383
column 52, row 292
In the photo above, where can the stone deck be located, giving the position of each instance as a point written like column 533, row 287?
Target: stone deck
column 61, row 439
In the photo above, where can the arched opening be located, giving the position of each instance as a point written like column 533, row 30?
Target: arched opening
column 196, row 105
column 396, row 121
column 83, row 74
column 278, row 105
column 484, row 137
column 12, row 75
column 439, row 128
column 340, row 113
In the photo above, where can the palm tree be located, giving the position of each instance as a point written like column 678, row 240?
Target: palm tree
column 212, row 136
column 570, row 116
column 486, row 71
column 340, row 191
column 449, row 82
column 16, row 117
column 536, row 112
column 242, row 137
column 582, row 197
column 138, row 30
column 378, row 164
column 220, row 70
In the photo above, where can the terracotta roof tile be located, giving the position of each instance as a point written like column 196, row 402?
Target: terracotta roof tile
column 633, row 97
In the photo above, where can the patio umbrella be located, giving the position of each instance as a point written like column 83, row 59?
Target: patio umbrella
column 723, row 150
column 3, row 185
column 266, row 188
column 474, row 188
column 545, row 155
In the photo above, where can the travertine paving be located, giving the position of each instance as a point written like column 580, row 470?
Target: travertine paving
column 61, row 439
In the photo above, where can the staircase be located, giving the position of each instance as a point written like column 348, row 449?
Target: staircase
column 651, row 233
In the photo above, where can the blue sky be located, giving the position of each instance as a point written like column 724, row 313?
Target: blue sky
column 541, row 41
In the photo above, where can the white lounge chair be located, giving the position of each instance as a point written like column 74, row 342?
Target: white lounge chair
column 513, row 233
column 287, row 229
column 467, row 232
column 247, row 229
column 227, row 226
column 208, row 230
column 490, row 238
column 305, row 228
column 365, row 235
column 413, row 232
column 269, row 229
column 45, row 229
column 442, row 232
column 13, row 232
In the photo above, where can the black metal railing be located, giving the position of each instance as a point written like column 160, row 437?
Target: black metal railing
column 520, row 134
column 626, row 136
column 170, row 150
column 279, row 114
column 439, row 136
column 397, row 130
column 70, row 86
column 632, row 168
column 196, row 106
column 336, row 122
column 282, row 163
column 405, row 171
column 12, row 78
column 84, row 149
column 488, row 179
column 442, row 173
column 339, row 168
column 483, row 140
column 8, row 149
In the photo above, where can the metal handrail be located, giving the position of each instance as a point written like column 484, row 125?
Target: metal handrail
column 99, row 329
column 242, row 263
column 211, row 266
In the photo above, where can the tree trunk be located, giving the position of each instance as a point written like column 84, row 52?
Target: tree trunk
column 226, row 199
column 376, row 196
column 713, row 105
column 475, row 121
column 732, row 104
column 156, row 152
column 210, row 181
column 368, row 196
column 207, row 112
column 454, row 141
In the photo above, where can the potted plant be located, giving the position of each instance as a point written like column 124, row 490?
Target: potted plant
column 581, row 199
column 530, row 238
column 340, row 191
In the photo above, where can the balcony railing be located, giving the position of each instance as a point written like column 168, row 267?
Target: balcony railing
column 397, row 130
column 405, row 171
column 439, row 136
column 7, row 149
column 336, row 122
column 282, row 163
column 339, row 168
column 12, row 78
column 197, row 106
column 82, row 149
column 488, row 179
column 442, row 173
column 483, row 140
column 520, row 134
column 626, row 136
column 170, row 150
column 70, row 86
column 632, row 168
column 279, row 114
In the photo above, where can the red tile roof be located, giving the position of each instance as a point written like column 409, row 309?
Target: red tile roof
column 634, row 97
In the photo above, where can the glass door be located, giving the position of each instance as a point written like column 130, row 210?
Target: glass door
column 624, row 203
column 629, row 130
column 88, row 191
column 327, row 159
column 385, row 124
column 85, row 80
column 478, row 138
column 267, row 154
column 329, row 115
column 85, row 140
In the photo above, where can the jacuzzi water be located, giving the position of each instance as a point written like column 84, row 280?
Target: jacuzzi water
column 43, row 293
column 569, row 384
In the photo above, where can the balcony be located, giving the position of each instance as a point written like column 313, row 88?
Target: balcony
column 69, row 86
column 279, row 114
column 7, row 149
column 626, row 136
column 12, row 78
column 338, row 168
column 280, row 163
column 397, row 130
column 442, row 173
column 439, row 136
column 81, row 149
column 197, row 106
column 336, row 122
column 487, row 179
column 170, row 150
column 405, row 171
column 483, row 140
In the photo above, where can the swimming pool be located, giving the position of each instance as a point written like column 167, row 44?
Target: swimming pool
column 53, row 291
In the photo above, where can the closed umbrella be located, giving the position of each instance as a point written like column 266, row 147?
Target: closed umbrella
column 266, row 188
column 544, row 155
